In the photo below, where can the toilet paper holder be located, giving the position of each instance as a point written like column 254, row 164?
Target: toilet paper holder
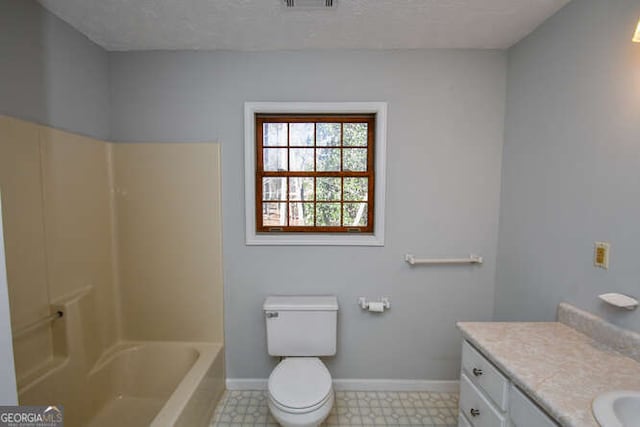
column 377, row 306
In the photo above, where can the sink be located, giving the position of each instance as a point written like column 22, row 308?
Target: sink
column 617, row 409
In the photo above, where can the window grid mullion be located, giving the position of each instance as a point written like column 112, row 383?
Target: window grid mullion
column 288, row 168
column 342, row 178
column 315, row 169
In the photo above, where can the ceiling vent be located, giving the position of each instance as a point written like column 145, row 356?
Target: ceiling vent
column 309, row 4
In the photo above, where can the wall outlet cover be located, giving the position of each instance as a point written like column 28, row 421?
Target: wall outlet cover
column 601, row 255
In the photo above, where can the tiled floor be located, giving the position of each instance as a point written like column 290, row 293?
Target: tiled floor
column 351, row 408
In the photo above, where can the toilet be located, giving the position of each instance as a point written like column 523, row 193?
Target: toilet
column 300, row 329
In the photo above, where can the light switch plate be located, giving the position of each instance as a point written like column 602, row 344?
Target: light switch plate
column 601, row 255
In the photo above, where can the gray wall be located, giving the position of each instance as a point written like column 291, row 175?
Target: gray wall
column 446, row 113
column 50, row 73
column 571, row 164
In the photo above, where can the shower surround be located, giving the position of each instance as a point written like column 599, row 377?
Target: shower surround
column 124, row 239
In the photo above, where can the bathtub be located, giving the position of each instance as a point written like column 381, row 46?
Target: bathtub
column 158, row 384
column 126, row 383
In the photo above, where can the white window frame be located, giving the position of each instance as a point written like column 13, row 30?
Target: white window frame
column 315, row 239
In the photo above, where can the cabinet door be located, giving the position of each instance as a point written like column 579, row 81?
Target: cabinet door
column 524, row 413
column 484, row 375
column 478, row 409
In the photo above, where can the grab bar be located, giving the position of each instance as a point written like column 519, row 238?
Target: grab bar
column 473, row 259
column 40, row 322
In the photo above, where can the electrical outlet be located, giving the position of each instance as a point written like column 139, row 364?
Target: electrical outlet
column 601, row 255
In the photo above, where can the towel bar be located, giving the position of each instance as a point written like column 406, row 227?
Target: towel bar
column 473, row 259
column 40, row 322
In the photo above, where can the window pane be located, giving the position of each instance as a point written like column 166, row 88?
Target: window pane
column 356, row 189
column 328, row 159
column 301, row 134
column 274, row 188
column 355, row 159
column 301, row 214
column 301, row 159
column 274, row 134
column 301, row 188
column 274, row 214
column 275, row 159
column 355, row 214
column 328, row 189
column 355, row 134
column 327, row 214
column 327, row 134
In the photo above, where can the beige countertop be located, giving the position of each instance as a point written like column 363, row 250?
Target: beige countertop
column 560, row 368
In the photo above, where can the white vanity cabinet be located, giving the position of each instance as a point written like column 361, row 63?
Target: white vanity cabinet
column 489, row 399
column 525, row 413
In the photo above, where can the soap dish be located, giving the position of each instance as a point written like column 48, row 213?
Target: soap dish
column 619, row 300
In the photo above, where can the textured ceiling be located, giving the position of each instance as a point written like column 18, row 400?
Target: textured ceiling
column 267, row 25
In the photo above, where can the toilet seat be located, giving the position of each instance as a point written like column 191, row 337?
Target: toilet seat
column 300, row 385
column 302, row 411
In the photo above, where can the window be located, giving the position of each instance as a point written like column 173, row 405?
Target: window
column 315, row 173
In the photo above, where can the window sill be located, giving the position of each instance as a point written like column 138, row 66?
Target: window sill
column 313, row 240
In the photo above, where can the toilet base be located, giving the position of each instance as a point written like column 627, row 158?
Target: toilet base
column 309, row 419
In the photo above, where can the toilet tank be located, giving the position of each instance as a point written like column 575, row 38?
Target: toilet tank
column 301, row 325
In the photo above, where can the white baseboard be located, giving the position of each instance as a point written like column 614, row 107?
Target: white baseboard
column 358, row 385
column 246, row 383
column 395, row 385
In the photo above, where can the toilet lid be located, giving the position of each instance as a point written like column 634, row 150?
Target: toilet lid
column 300, row 382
